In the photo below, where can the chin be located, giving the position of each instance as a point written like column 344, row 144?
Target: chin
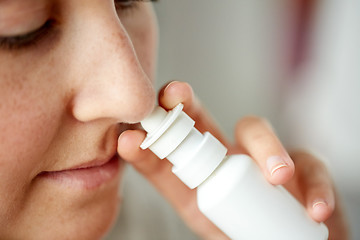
column 65, row 216
column 94, row 225
column 92, row 221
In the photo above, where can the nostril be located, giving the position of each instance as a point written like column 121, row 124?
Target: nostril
column 84, row 111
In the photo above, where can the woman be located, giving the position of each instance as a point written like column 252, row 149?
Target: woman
column 75, row 74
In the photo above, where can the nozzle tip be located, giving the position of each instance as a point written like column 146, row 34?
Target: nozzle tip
column 154, row 120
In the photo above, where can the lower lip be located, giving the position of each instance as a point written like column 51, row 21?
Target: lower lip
column 87, row 178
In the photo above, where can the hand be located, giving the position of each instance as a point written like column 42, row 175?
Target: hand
column 251, row 132
column 312, row 186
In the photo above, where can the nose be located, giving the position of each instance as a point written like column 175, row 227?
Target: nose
column 110, row 81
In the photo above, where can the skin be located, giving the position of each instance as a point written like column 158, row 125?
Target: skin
column 65, row 101
column 58, row 110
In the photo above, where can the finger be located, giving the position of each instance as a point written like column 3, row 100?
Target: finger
column 316, row 185
column 256, row 137
column 337, row 224
column 181, row 92
column 158, row 172
column 145, row 162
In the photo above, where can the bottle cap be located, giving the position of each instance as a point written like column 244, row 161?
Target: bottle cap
column 172, row 135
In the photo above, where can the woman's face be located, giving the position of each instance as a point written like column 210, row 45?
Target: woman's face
column 70, row 71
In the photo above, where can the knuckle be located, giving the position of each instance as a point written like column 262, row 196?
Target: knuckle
column 261, row 138
column 250, row 121
column 307, row 160
column 255, row 129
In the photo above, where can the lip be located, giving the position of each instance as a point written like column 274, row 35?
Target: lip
column 87, row 176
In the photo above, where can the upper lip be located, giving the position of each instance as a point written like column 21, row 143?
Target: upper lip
column 98, row 158
column 92, row 163
column 97, row 162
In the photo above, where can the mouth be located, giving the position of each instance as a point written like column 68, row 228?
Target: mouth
column 87, row 176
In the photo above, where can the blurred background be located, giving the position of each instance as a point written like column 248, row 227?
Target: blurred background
column 296, row 63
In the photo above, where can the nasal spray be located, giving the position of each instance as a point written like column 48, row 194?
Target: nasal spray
column 231, row 190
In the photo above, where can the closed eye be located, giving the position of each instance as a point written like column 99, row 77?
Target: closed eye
column 127, row 4
column 27, row 39
column 33, row 37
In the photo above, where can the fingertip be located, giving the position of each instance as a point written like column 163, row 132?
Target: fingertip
column 320, row 210
column 281, row 176
column 279, row 169
column 144, row 161
column 174, row 93
column 129, row 142
column 256, row 136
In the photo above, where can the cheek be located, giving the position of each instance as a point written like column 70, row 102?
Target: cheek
column 27, row 124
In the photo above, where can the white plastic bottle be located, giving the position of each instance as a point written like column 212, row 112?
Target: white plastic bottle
column 231, row 190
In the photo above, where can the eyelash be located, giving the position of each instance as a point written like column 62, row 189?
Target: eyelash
column 32, row 38
column 28, row 39
column 125, row 5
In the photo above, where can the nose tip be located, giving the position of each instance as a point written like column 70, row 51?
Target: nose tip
column 123, row 103
column 140, row 104
column 114, row 84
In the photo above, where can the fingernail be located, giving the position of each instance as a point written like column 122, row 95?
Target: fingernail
column 319, row 207
column 274, row 163
column 170, row 85
column 319, row 203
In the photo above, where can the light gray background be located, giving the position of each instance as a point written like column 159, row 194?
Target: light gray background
column 234, row 53
column 229, row 51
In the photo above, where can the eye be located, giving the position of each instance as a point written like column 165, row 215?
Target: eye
column 27, row 39
column 128, row 4
column 125, row 4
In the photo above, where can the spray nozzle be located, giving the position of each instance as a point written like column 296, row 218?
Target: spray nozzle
column 154, row 120
column 172, row 135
